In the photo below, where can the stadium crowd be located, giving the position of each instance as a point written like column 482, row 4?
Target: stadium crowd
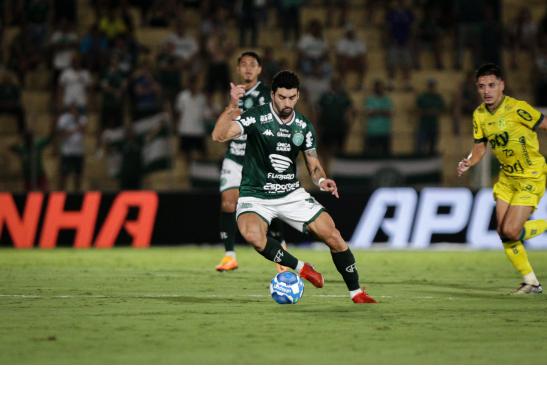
column 147, row 97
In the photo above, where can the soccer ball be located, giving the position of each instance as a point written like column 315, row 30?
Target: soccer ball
column 286, row 288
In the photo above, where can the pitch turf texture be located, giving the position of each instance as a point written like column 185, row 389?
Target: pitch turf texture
column 168, row 305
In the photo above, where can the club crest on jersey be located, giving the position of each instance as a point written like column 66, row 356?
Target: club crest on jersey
column 248, row 103
column 298, row 138
column 279, row 162
column 501, row 123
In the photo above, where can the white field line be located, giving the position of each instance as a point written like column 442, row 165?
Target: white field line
column 174, row 296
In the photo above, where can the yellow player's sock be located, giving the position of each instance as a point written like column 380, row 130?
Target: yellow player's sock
column 533, row 228
column 518, row 257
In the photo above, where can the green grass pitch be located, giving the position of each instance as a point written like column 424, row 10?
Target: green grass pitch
column 169, row 305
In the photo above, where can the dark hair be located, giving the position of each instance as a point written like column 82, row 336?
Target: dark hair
column 250, row 54
column 489, row 69
column 285, row 79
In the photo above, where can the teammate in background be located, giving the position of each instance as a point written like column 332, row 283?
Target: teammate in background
column 509, row 126
column 254, row 93
column 276, row 134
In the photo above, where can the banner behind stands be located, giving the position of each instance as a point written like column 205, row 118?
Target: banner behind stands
column 394, row 217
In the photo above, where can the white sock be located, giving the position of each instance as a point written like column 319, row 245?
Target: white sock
column 230, row 253
column 352, row 293
column 299, row 266
column 531, row 279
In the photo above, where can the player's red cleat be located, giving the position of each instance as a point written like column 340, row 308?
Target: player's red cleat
column 312, row 276
column 363, row 297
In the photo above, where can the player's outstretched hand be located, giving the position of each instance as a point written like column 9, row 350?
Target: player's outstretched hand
column 236, row 92
column 463, row 166
column 329, row 185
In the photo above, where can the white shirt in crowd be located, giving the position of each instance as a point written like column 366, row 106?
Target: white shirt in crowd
column 73, row 143
column 193, row 111
column 185, row 46
column 311, row 46
column 75, row 83
column 63, row 57
column 350, row 48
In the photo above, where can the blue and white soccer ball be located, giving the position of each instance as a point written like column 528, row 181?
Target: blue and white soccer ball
column 286, row 288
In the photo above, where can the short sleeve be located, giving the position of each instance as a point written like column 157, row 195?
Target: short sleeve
column 478, row 135
column 528, row 115
column 310, row 138
column 245, row 122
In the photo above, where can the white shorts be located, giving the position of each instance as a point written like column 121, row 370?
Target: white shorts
column 230, row 175
column 298, row 209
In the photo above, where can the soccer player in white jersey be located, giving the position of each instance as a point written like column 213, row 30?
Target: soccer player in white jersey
column 276, row 135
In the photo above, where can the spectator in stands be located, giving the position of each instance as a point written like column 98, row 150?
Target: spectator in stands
column 219, row 50
column 248, row 22
column 71, row 127
column 289, row 20
column 63, row 45
column 145, row 92
column 270, row 65
column 161, row 12
column 335, row 116
column 23, row 55
column 186, row 47
column 113, row 86
column 491, row 33
column 332, row 7
column 539, row 72
column 131, row 171
column 37, row 16
column 521, row 34
column 10, row 98
column 312, row 48
column 168, row 72
column 125, row 54
column 192, row 112
column 351, row 55
column 469, row 15
column 464, row 102
column 378, row 110
column 31, row 152
column 74, row 85
column 112, row 24
column 399, row 26
column 428, row 36
column 65, row 10
column 94, row 49
column 316, row 83
column 430, row 105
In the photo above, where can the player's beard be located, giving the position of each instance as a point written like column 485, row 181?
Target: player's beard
column 285, row 113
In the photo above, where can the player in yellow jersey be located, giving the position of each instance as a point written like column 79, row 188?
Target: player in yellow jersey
column 509, row 126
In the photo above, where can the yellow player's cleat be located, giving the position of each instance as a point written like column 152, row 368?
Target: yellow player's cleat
column 227, row 263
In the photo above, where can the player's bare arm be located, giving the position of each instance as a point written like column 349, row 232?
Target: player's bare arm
column 543, row 124
column 317, row 173
column 478, row 151
column 225, row 127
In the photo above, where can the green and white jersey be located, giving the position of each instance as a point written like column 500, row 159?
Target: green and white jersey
column 256, row 96
column 269, row 169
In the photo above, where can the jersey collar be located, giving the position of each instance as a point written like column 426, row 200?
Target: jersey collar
column 502, row 102
column 252, row 89
column 279, row 119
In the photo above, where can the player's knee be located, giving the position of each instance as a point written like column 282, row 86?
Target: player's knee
column 335, row 241
column 253, row 236
column 510, row 233
column 228, row 205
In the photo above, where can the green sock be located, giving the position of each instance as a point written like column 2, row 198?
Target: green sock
column 228, row 230
column 533, row 228
column 274, row 252
column 345, row 264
